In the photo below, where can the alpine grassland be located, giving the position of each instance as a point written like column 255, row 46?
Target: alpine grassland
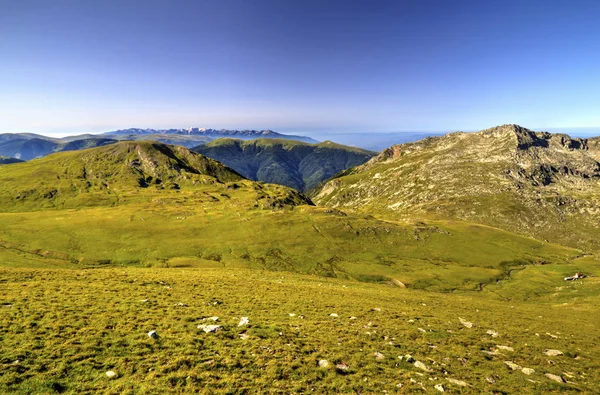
column 139, row 267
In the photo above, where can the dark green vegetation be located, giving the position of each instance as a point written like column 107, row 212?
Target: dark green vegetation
column 536, row 184
column 295, row 164
column 98, row 247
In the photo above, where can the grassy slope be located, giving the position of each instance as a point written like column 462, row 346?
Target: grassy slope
column 292, row 163
column 221, row 228
column 68, row 319
column 61, row 330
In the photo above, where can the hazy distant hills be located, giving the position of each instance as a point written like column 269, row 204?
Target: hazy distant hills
column 292, row 163
column 201, row 135
column 28, row 146
column 533, row 183
column 36, row 147
column 6, row 161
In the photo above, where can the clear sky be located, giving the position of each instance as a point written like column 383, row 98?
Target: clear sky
column 298, row 65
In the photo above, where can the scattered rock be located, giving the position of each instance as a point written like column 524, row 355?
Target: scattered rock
column 292, row 315
column 507, row 348
column 465, row 323
column 210, row 328
column 408, row 358
column 244, row 321
column 110, row 374
column 421, row 365
column 492, row 333
column 553, row 353
column 243, row 336
column 457, row 382
column 398, row 283
column 215, row 319
column 333, row 315
column 490, row 380
column 342, row 367
column 494, row 352
column 421, row 330
column 323, row 363
column 353, row 318
column 439, row 387
column 376, row 309
column 527, row 371
column 378, row 355
column 551, row 335
column 554, row 377
column 181, row 304
column 153, row 334
column 512, row 365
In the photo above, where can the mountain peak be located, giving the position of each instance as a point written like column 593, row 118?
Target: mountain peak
column 507, row 176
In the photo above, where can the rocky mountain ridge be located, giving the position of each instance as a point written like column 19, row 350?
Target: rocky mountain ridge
column 533, row 183
column 246, row 134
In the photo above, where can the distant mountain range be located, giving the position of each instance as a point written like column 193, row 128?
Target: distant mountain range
column 295, row 164
column 212, row 133
column 26, row 146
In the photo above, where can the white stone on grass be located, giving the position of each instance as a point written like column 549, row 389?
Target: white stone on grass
column 527, row 371
column 507, row 348
column 244, row 321
column 153, row 334
column 210, row 328
column 421, row 365
column 465, row 323
column 460, row 383
column 110, row 374
column 512, row 365
column 554, row 377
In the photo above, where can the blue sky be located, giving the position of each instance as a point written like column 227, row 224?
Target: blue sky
column 298, row 66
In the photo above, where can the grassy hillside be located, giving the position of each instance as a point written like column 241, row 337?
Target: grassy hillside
column 292, row 163
column 101, row 246
column 120, row 173
column 535, row 184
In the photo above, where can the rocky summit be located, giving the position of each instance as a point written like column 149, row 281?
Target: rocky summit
column 534, row 183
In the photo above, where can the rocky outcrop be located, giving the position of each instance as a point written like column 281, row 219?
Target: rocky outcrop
column 533, row 183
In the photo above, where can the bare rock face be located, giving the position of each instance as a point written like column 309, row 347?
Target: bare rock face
column 532, row 183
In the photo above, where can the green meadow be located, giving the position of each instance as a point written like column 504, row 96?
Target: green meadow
column 165, row 240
